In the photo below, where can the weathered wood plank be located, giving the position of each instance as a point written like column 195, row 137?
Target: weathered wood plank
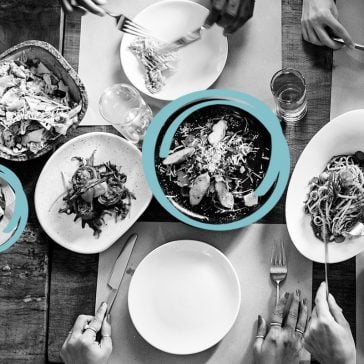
column 24, row 268
column 30, row 19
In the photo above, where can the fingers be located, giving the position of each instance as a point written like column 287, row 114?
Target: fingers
column 322, row 307
column 96, row 322
column 312, row 36
column 261, row 333
column 217, row 8
column 302, row 317
column 326, row 40
column 245, row 13
column 340, row 31
column 336, row 311
column 292, row 316
column 80, row 323
column 92, row 6
column 278, row 312
column 66, row 6
column 106, row 342
column 230, row 14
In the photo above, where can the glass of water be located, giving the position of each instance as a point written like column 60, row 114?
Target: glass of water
column 289, row 91
column 123, row 106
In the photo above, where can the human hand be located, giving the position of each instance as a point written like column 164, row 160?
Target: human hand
column 230, row 14
column 83, row 6
column 81, row 346
column 328, row 337
column 283, row 341
column 319, row 20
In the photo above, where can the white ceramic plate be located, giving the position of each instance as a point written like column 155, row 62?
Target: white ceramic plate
column 61, row 227
column 200, row 63
column 184, row 297
column 343, row 135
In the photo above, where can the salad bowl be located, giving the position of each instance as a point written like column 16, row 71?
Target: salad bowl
column 47, row 55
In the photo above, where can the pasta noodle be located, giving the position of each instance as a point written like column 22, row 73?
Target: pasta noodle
column 335, row 200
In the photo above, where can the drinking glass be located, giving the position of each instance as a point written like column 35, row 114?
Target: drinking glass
column 288, row 87
column 123, row 106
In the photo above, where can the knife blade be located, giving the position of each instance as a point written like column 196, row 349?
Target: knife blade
column 356, row 45
column 186, row 39
column 118, row 270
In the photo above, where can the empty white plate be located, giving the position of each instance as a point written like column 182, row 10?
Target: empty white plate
column 184, row 297
column 200, row 63
column 342, row 135
column 61, row 227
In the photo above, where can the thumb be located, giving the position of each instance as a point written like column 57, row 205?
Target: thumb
column 261, row 332
column 106, row 342
column 336, row 311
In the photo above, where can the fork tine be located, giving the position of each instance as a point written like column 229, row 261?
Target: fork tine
column 129, row 29
column 136, row 25
column 274, row 254
column 283, row 253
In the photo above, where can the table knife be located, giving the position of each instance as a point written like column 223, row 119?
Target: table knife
column 356, row 45
column 118, row 270
column 185, row 39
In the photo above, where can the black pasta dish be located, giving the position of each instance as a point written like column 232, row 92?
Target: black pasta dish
column 218, row 157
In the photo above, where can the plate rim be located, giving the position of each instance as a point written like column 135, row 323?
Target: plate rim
column 235, row 276
column 155, row 96
column 37, row 208
column 331, row 124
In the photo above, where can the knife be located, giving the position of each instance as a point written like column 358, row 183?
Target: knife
column 356, row 45
column 185, row 39
column 118, row 270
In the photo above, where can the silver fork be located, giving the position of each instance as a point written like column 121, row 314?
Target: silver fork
column 278, row 265
column 126, row 25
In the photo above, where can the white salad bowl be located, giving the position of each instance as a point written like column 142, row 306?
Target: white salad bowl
column 343, row 135
column 50, row 189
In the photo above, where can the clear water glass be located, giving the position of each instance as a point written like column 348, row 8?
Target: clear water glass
column 123, row 106
column 288, row 87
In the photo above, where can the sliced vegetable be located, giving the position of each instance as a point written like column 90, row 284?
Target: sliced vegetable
column 218, row 132
column 199, row 188
column 251, row 199
column 226, row 198
column 179, row 156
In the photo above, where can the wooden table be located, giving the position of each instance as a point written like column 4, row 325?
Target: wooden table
column 43, row 286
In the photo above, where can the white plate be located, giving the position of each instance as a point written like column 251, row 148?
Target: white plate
column 200, row 63
column 343, row 135
column 184, row 297
column 61, row 227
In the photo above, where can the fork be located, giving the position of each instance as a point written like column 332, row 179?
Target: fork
column 278, row 266
column 126, row 25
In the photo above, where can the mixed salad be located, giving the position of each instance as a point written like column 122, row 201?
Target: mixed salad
column 217, row 160
column 95, row 191
column 35, row 106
